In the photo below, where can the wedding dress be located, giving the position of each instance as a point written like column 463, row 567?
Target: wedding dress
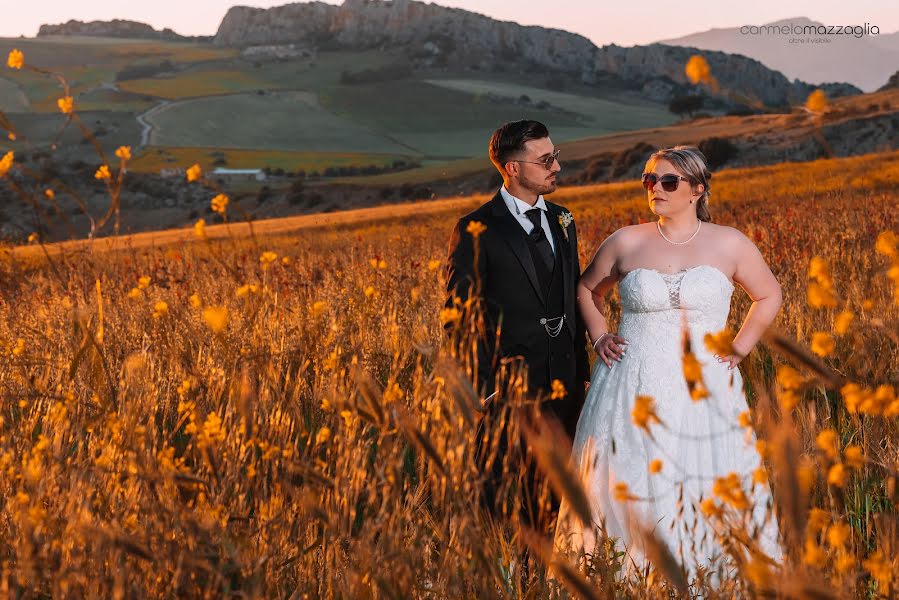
column 696, row 441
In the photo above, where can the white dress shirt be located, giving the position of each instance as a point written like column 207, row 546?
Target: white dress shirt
column 519, row 207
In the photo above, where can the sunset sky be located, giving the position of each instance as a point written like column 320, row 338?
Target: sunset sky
column 603, row 21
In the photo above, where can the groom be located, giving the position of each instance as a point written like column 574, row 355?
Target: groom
column 526, row 275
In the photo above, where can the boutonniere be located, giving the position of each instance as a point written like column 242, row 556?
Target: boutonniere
column 565, row 219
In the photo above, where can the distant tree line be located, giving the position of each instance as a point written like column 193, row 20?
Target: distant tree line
column 343, row 171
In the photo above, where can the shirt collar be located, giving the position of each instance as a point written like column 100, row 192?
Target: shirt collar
column 519, row 207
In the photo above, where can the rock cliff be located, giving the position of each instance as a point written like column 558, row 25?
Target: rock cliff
column 437, row 36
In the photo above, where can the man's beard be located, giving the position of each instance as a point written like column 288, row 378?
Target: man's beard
column 541, row 188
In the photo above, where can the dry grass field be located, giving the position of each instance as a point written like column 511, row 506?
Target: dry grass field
column 273, row 410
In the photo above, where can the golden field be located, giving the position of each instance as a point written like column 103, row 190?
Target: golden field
column 278, row 415
column 273, row 409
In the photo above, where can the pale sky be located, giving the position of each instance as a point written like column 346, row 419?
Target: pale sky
column 621, row 22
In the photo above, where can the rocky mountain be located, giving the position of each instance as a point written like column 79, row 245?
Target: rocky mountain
column 892, row 82
column 866, row 61
column 436, row 36
column 117, row 28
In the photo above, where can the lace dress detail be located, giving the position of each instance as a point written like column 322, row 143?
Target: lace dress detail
column 697, row 441
column 672, row 282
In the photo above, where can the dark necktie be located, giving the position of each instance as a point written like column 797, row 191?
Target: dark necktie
column 538, row 236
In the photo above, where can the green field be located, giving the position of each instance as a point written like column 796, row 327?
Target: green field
column 196, row 84
column 202, row 96
column 282, row 121
column 607, row 115
column 152, row 159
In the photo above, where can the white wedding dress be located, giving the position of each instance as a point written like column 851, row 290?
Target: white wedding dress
column 697, row 441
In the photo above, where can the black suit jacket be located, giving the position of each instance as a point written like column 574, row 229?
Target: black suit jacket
column 505, row 280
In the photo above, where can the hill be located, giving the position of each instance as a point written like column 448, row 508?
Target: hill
column 866, row 61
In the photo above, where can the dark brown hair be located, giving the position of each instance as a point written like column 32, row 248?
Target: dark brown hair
column 509, row 139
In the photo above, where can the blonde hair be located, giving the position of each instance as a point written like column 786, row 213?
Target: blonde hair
column 691, row 162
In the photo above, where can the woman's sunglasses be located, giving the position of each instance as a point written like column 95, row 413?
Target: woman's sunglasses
column 669, row 181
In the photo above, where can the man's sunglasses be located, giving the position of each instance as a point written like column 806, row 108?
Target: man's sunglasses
column 669, row 181
column 547, row 162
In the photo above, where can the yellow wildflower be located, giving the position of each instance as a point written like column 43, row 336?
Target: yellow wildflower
column 827, row 442
column 814, row 555
column 415, row 294
column 15, row 60
column 760, row 476
column 558, row 390
column 720, row 343
column 200, row 229
column 887, row 243
column 789, row 378
column 818, row 269
column 655, row 466
column 318, row 308
column 6, row 163
column 853, row 396
column 33, row 237
column 622, row 492
column 134, row 294
column 730, row 489
column 160, row 309
column 66, row 105
column 216, row 318
column 323, row 435
column 692, row 368
column 219, row 203
column 842, row 322
column 837, row 475
column 450, row 315
column 369, row 291
column 820, row 295
column 143, row 282
column 759, row 573
column 103, row 173
column 818, row 519
column 123, row 152
column 19, row 348
column 246, row 289
column 822, row 344
column 195, row 300
column 853, row 456
column 844, row 562
column 698, row 71
column 837, row 535
column 710, row 508
column 476, row 228
column 194, row 173
column 817, row 102
column 643, row 413
column 434, row 264
column 879, row 567
column 268, row 257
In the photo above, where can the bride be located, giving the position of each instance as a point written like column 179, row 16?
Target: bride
column 649, row 444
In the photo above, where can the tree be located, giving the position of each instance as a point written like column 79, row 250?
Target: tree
column 686, row 105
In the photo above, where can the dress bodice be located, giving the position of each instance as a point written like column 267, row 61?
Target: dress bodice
column 702, row 293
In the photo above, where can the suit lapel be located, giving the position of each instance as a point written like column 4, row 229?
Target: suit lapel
column 511, row 231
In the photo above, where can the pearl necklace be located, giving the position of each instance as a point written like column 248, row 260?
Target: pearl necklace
column 659, row 227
